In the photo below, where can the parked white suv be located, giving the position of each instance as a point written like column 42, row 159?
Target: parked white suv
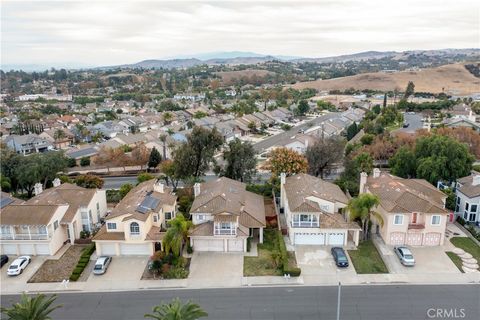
column 101, row 265
column 18, row 265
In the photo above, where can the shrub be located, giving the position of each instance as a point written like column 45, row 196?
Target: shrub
column 158, row 255
column 82, row 262
column 461, row 221
column 249, row 244
column 176, row 273
column 189, row 249
column 74, row 277
column 165, row 268
column 293, row 271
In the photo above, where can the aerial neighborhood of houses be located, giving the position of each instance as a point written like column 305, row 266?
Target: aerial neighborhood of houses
column 127, row 177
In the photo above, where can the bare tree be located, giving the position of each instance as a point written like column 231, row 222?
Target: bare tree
column 323, row 154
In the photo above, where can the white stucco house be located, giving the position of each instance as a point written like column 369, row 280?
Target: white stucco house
column 467, row 202
column 312, row 209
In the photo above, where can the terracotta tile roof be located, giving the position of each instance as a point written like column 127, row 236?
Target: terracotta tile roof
column 225, row 195
column 25, row 214
column 155, row 234
column 67, row 193
column 336, row 221
column 467, row 187
column 301, row 186
column 103, row 234
column 398, row 195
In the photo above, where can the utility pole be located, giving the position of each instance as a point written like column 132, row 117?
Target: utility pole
column 338, row 300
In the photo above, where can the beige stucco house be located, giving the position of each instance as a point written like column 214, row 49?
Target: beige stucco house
column 136, row 225
column 413, row 210
column 312, row 209
column 224, row 215
column 53, row 217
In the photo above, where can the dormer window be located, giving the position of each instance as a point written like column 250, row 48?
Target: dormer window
column 111, row 226
column 134, row 228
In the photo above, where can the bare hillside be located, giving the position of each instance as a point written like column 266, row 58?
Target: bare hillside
column 229, row 77
column 451, row 79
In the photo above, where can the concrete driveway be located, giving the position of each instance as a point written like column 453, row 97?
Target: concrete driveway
column 123, row 272
column 215, row 269
column 19, row 283
column 428, row 260
column 317, row 262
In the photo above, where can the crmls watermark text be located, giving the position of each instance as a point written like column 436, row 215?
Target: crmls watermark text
column 446, row 313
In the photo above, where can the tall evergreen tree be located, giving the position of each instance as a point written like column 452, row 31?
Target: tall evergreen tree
column 154, row 159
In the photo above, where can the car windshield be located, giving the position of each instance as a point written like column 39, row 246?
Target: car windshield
column 408, row 256
column 98, row 267
column 342, row 258
column 13, row 266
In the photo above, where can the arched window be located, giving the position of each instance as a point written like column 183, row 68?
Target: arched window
column 134, row 228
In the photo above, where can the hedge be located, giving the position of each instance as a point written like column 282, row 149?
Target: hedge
column 82, row 262
column 292, row 271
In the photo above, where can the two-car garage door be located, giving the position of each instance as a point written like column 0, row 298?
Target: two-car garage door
column 415, row 239
column 332, row 239
column 217, row 245
column 109, row 249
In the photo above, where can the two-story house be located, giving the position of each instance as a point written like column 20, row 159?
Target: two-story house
column 312, row 209
column 53, row 217
column 224, row 215
column 26, row 144
column 413, row 211
column 136, row 225
column 467, row 202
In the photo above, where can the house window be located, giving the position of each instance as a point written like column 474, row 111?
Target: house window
column 225, row 225
column 325, row 207
column 42, row 229
column 473, row 208
column 55, row 225
column 467, row 205
column 155, row 218
column 472, row 217
column 465, row 215
column 436, row 220
column 398, row 219
column 98, row 206
column 168, row 215
column 200, row 217
column 134, row 228
column 111, row 226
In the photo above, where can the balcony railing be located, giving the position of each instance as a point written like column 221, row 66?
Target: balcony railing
column 228, row 232
column 24, row 236
column 305, row 224
column 416, row 226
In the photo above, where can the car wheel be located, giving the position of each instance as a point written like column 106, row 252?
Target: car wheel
column 21, row 271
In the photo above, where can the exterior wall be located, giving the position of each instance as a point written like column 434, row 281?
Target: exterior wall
column 144, row 228
column 207, row 217
column 292, row 232
column 461, row 201
column 332, row 207
column 101, row 199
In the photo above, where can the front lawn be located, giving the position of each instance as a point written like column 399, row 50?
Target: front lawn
column 267, row 263
column 455, row 259
column 468, row 245
column 366, row 259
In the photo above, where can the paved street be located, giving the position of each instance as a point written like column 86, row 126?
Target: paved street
column 414, row 121
column 358, row 302
column 274, row 140
column 117, row 182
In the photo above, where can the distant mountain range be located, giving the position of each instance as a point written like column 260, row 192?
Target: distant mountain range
column 244, row 57
column 241, row 57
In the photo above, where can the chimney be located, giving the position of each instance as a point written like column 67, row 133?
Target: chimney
column 57, row 182
column 38, row 188
column 476, row 180
column 158, row 187
column 363, row 181
column 196, row 189
column 376, row 173
column 283, row 177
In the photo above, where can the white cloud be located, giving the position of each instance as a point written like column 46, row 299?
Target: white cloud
column 114, row 32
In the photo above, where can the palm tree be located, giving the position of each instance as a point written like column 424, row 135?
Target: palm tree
column 31, row 308
column 163, row 138
column 361, row 208
column 176, row 235
column 59, row 134
column 176, row 310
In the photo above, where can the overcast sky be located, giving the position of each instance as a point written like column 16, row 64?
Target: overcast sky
column 72, row 33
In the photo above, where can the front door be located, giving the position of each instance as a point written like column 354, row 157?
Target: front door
column 414, row 218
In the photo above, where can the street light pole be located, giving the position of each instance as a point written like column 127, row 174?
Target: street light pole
column 338, row 300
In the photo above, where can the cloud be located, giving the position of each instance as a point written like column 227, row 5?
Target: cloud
column 115, row 32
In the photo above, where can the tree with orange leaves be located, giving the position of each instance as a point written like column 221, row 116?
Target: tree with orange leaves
column 286, row 161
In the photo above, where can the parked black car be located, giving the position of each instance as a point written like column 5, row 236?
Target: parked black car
column 340, row 257
column 3, row 260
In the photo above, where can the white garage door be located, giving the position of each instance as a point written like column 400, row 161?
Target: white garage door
column 26, row 249
column 414, row 239
column 42, row 249
column 207, row 245
column 309, row 238
column 9, row 249
column 336, row 239
column 235, row 245
column 397, row 238
column 432, row 239
column 144, row 249
column 107, row 249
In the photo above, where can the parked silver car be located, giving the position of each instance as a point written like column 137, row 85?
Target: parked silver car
column 405, row 256
column 101, row 265
column 18, row 265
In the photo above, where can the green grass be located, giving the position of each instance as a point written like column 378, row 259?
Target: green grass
column 468, row 245
column 263, row 264
column 366, row 259
column 455, row 259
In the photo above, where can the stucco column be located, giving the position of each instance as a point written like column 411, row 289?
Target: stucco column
column 357, row 237
column 98, row 249
column 245, row 245
column 71, row 231
column 117, row 248
column 261, row 236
